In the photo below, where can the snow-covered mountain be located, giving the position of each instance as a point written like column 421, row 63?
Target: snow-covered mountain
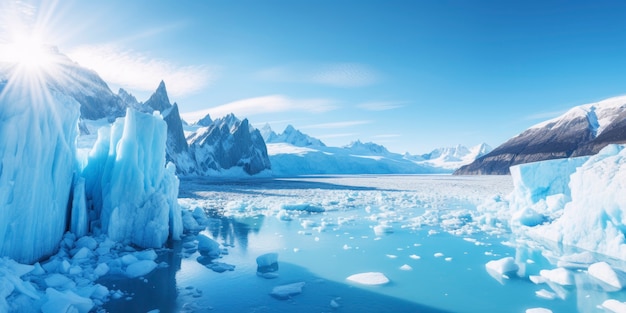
column 291, row 136
column 583, row 130
column 226, row 144
column 294, row 153
column 83, row 85
column 451, row 158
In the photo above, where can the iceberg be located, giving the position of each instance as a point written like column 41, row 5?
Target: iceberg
column 583, row 199
column 37, row 165
column 129, row 187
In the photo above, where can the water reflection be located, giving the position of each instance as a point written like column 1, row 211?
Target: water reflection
column 157, row 290
column 234, row 231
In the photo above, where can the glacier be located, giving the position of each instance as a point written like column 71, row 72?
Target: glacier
column 582, row 201
column 37, row 167
column 128, row 185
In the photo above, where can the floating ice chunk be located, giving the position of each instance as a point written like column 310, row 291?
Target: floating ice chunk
column 128, row 259
column 190, row 223
column 66, row 301
column 200, row 216
column 538, row 310
column 208, row 246
column 414, row 257
column 559, row 276
column 391, row 256
column 101, row 269
column 146, row 255
column 369, row 278
column 605, row 273
column 220, row 267
column 448, row 259
column 334, row 304
column 382, row 229
column 614, row 306
column 502, row 266
column 284, row 292
column 59, row 281
column 406, row 267
column 140, row 268
column 267, row 263
column 438, row 255
column 302, row 207
column 528, row 217
column 545, row 294
column 537, row 279
column 86, row 242
column 82, row 253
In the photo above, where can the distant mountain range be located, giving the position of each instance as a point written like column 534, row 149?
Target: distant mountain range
column 295, row 153
column 229, row 146
column 583, row 130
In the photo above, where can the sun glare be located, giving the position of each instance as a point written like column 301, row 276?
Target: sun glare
column 28, row 53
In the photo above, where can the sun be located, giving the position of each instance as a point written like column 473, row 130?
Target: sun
column 29, row 53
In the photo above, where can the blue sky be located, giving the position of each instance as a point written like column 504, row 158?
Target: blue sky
column 411, row 75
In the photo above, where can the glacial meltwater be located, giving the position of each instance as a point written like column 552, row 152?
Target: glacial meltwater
column 407, row 243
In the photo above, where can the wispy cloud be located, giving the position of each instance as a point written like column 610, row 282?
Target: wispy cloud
column 380, row 105
column 266, row 104
column 137, row 71
column 344, row 75
column 344, row 124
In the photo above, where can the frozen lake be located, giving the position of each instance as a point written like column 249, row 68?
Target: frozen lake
column 421, row 232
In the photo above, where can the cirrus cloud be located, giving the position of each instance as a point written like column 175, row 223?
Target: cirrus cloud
column 265, row 104
column 345, row 75
column 137, row 71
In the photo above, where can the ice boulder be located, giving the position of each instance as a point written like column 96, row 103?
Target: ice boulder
column 66, row 301
column 595, row 217
column 502, row 266
column 267, row 263
column 284, row 292
column 605, row 273
column 539, row 187
column 208, row 247
column 559, row 276
column 614, row 306
column 129, row 185
column 38, row 130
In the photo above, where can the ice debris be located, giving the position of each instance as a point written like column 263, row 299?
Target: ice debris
column 369, row 278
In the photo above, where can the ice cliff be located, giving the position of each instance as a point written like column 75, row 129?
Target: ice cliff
column 577, row 202
column 38, row 129
column 129, row 188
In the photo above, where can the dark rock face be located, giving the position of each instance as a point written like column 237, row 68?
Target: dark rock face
column 576, row 133
column 228, row 143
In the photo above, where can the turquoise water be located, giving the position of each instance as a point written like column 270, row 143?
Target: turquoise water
column 447, row 272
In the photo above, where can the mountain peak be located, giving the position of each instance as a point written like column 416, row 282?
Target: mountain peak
column 205, row 121
column 159, row 100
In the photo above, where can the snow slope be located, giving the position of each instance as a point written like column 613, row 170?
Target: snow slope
column 290, row 160
column 580, row 201
column 293, row 153
column 583, row 130
column 451, row 158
